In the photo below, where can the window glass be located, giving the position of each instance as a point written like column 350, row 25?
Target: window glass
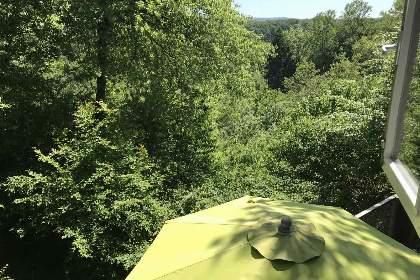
column 410, row 147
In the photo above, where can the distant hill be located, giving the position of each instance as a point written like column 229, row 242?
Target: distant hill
column 273, row 18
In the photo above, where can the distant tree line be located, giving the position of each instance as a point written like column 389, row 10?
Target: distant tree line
column 319, row 40
column 268, row 28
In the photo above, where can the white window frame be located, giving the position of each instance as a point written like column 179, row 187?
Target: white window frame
column 403, row 182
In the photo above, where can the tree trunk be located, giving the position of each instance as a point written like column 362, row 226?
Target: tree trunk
column 100, row 87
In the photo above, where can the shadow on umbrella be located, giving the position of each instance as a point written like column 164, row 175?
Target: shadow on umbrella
column 213, row 244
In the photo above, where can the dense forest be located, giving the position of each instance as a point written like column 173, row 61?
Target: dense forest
column 118, row 115
column 267, row 28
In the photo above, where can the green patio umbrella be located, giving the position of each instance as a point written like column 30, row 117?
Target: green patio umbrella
column 260, row 239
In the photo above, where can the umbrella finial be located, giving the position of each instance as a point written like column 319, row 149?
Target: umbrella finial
column 285, row 225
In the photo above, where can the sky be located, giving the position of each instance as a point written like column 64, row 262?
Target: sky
column 303, row 8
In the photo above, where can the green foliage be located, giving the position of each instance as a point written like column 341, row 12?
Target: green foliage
column 30, row 40
column 389, row 24
column 299, row 41
column 3, row 105
column 27, row 122
column 281, row 65
column 98, row 189
column 3, row 275
column 304, row 81
column 410, row 147
column 325, row 36
column 353, row 24
column 410, row 150
column 331, row 137
column 190, row 120
column 268, row 28
column 323, row 39
column 178, row 43
column 91, row 179
column 317, row 42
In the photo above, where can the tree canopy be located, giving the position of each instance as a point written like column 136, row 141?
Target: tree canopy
column 118, row 115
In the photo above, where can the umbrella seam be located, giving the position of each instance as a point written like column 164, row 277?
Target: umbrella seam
column 211, row 224
column 202, row 260
column 265, row 210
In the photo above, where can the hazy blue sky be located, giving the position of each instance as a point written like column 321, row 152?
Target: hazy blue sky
column 303, row 8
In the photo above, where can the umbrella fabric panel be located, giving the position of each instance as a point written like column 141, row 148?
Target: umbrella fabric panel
column 175, row 248
column 238, row 212
column 212, row 244
column 336, row 223
column 328, row 220
column 182, row 241
column 243, row 263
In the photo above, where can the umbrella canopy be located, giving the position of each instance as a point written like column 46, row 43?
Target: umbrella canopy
column 213, row 244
